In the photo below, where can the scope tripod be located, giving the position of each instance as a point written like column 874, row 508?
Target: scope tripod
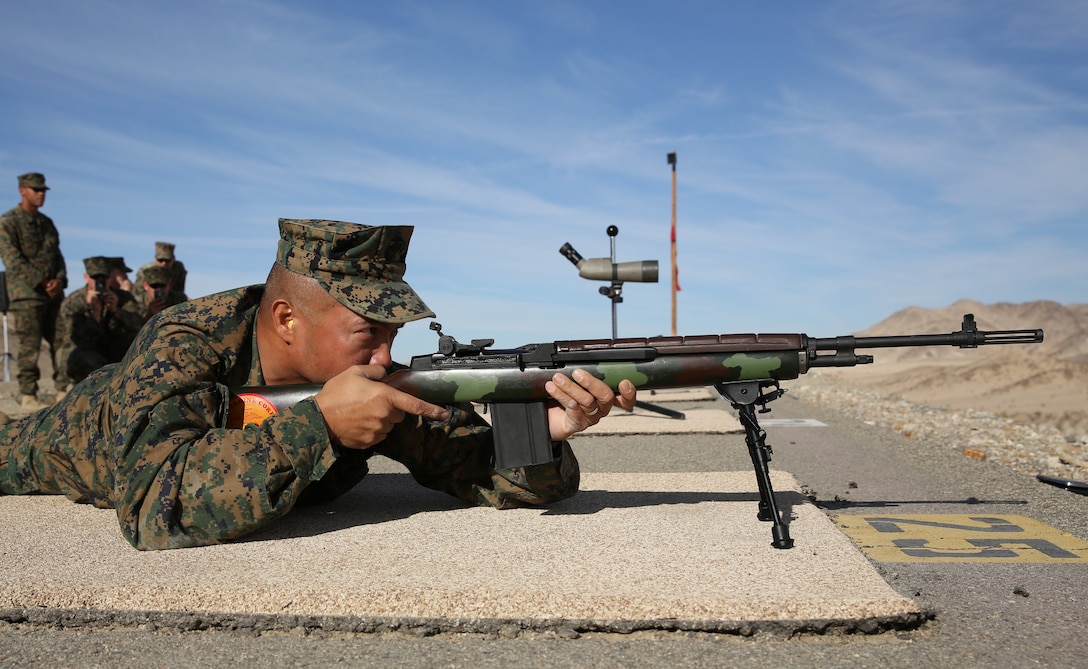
column 614, row 292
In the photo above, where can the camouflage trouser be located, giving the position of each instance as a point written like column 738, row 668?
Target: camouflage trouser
column 34, row 321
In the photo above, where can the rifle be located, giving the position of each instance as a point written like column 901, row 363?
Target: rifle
column 745, row 369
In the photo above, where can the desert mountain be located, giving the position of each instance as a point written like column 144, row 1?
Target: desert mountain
column 1032, row 383
column 1065, row 327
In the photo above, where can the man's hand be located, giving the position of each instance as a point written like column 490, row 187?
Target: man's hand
column 53, row 288
column 360, row 410
column 109, row 298
column 583, row 402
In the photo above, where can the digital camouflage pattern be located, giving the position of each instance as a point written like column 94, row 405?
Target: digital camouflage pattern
column 98, row 267
column 147, row 437
column 30, row 250
column 32, row 180
column 85, row 343
column 165, row 251
column 361, row 266
column 155, row 275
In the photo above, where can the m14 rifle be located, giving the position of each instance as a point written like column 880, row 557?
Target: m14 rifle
column 745, row 369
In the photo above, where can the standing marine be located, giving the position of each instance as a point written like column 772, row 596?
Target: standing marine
column 36, row 279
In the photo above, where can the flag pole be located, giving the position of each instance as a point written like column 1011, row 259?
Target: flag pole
column 672, row 237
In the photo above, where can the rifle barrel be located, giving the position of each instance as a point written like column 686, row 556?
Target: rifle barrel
column 963, row 339
column 842, row 348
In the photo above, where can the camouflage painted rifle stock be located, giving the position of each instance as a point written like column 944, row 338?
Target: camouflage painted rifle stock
column 744, row 368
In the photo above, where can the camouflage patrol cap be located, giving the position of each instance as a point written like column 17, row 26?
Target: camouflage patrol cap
column 97, row 266
column 32, row 180
column 361, row 266
column 164, row 251
column 119, row 263
column 157, row 275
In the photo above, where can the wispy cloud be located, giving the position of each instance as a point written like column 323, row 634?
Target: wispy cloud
column 836, row 162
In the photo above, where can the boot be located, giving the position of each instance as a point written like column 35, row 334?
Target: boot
column 30, row 403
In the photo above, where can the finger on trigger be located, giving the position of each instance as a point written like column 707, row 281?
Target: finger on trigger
column 413, row 405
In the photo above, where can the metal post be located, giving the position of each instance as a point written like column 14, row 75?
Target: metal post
column 617, row 286
column 672, row 239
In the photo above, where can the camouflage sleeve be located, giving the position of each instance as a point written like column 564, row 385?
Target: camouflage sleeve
column 29, row 257
column 182, row 480
column 64, row 329
column 456, row 456
column 22, row 272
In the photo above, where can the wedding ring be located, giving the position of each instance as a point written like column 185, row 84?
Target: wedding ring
column 596, row 410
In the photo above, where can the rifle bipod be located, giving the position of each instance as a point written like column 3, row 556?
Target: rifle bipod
column 744, row 396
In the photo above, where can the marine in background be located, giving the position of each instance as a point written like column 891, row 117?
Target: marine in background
column 119, row 274
column 36, row 279
column 164, row 257
column 97, row 322
column 155, row 291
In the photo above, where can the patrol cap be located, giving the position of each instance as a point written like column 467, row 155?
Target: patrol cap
column 32, row 180
column 361, row 266
column 157, row 275
column 97, row 266
column 164, row 251
column 119, row 263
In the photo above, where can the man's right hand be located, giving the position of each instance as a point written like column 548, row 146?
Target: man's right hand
column 360, row 410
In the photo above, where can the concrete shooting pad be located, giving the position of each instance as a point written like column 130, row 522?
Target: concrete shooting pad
column 630, row 551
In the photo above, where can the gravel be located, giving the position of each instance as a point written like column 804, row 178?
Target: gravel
column 1029, row 448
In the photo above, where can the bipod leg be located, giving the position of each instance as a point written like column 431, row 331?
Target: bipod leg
column 744, row 396
column 657, row 408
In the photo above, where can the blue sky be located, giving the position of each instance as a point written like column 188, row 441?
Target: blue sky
column 837, row 161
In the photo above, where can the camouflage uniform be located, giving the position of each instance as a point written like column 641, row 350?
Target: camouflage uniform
column 84, row 343
column 165, row 251
column 155, row 275
column 147, row 436
column 30, row 250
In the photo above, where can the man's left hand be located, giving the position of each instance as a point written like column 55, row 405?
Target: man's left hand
column 583, row 401
column 54, row 288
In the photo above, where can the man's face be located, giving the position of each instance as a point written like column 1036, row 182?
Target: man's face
column 165, row 262
column 158, row 290
column 335, row 338
column 34, row 197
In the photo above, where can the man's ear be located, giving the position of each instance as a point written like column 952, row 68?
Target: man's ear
column 283, row 320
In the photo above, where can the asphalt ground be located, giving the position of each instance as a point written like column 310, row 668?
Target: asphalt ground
column 994, row 602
